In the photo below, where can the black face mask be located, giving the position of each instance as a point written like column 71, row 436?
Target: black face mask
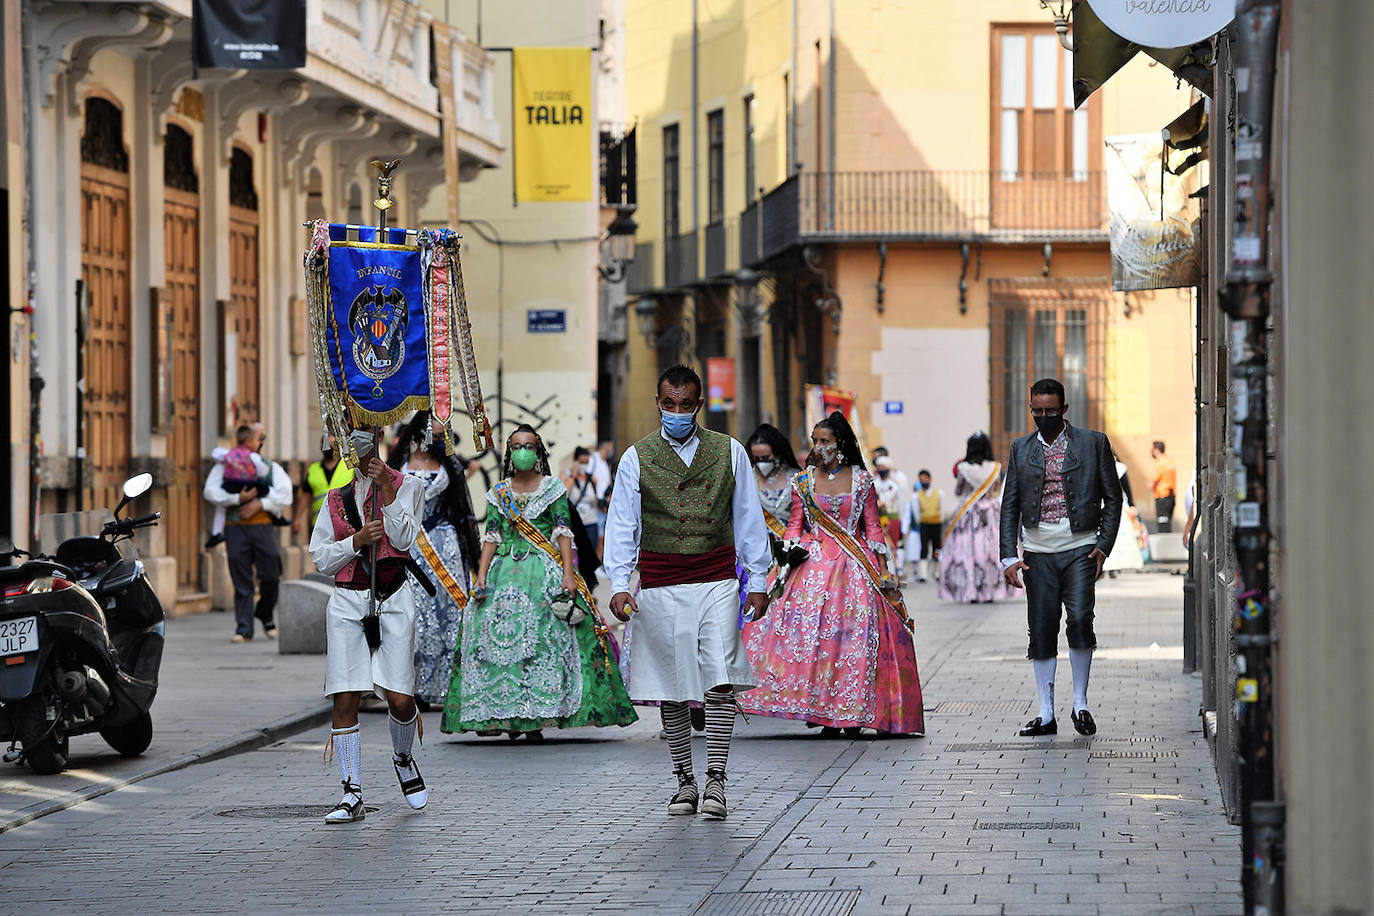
column 1049, row 426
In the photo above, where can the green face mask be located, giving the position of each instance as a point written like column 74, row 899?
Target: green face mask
column 523, row 458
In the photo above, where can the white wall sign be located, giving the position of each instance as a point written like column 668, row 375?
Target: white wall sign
column 1165, row 23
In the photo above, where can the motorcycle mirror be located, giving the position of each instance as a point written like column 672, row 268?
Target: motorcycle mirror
column 134, row 487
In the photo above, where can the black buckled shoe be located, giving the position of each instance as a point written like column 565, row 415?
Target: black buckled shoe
column 1083, row 722
column 412, row 783
column 350, row 807
column 1037, row 727
column 684, row 801
column 713, row 800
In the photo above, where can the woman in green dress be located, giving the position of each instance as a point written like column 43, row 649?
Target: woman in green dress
column 518, row 666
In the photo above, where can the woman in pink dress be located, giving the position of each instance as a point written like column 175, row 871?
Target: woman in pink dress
column 834, row 649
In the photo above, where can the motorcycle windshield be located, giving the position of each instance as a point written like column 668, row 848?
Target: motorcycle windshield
column 58, row 527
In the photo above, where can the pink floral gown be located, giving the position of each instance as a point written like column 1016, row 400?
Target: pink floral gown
column 831, row 650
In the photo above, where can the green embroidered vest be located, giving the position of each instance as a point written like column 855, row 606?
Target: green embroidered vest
column 686, row 510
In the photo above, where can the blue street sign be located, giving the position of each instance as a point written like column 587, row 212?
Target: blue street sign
column 546, row 321
column 892, row 406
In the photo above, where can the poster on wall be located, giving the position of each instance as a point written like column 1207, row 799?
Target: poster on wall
column 1155, row 223
column 720, row 383
column 551, row 90
column 248, row 34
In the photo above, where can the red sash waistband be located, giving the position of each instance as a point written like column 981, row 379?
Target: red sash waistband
column 657, row 570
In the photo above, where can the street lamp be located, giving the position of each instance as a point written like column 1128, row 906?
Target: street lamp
column 1061, row 20
column 647, row 310
column 746, row 281
column 618, row 247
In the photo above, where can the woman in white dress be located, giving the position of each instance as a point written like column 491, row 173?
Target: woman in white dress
column 1130, row 548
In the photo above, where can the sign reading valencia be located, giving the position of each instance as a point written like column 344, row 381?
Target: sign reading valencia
column 1165, row 23
column 552, row 118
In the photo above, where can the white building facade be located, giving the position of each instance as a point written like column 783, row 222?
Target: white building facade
column 164, row 220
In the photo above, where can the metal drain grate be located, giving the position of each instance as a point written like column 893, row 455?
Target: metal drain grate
column 969, row 707
column 281, row 812
column 1028, row 745
column 1130, row 755
column 1026, row 825
column 780, row 903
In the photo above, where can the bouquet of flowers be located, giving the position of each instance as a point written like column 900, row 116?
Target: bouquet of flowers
column 787, row 557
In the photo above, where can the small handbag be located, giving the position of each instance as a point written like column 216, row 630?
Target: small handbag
column 567, row 610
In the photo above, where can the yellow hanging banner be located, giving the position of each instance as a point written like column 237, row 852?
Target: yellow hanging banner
column 552, row 118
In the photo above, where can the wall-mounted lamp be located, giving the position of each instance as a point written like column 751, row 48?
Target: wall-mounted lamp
column 618, row 248
column 963, row 278
column 1048, row 252
column 647, row 310
column 1060, row 9
column 746, row 281
column 882, row 269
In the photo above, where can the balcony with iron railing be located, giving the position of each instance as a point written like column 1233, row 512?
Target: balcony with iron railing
column 988, row 206
column 682, row 266
column 721, row 249
column 645, row 272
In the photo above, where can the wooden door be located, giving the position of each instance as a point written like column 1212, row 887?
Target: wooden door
column 243, row 293
column 181, row 234
column 105, row 270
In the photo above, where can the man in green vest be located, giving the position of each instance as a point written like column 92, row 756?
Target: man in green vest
column 329, row 473
column 685, row 511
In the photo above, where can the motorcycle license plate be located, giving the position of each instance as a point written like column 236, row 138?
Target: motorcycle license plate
column 18, row 636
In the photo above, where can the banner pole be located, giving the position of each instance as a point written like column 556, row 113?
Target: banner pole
column 383, row 204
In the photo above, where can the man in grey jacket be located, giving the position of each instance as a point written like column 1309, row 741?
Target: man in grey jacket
column 1063, row 499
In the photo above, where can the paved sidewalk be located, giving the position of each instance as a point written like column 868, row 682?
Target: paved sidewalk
column 213, row 696
column 970, row 819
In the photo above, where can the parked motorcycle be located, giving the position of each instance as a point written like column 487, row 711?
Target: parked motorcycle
column 81, row 637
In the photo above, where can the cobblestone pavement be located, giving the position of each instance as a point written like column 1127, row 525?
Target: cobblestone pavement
column 211, row 693
column 969, row 819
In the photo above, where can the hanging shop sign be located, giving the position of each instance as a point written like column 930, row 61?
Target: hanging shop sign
column 552, row 117
column 1165, row 23
column 248, row 34
column 1155, row 222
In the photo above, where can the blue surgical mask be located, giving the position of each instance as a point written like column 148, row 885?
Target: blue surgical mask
column 678, row 425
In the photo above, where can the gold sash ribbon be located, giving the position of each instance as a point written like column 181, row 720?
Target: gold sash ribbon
column 977, row 495
column 851, row 546
column 505, row 501
column 446, row 579
column 775, row 526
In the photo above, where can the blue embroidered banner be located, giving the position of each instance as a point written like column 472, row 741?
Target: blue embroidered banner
column 376, row 332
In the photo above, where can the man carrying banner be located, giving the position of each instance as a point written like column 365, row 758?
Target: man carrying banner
column 683, row 510
column 377, row 515
column 389, row 323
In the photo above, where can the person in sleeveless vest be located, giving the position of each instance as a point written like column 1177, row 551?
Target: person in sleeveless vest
column 381, row 508
column 684, row 509
column 329, row 473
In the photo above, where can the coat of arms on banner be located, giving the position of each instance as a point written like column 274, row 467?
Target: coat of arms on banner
column 390, row 327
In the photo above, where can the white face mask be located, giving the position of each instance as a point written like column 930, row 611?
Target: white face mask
column 766, row 467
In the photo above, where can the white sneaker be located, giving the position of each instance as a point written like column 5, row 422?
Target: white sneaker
column 412, row 783
column 350, row 807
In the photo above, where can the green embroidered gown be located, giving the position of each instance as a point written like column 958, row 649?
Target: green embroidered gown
column 517, row 667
